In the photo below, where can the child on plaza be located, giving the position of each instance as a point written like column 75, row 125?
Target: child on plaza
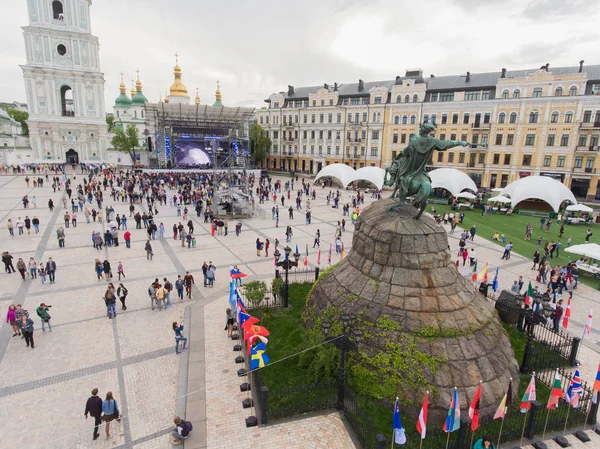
column 120, row 270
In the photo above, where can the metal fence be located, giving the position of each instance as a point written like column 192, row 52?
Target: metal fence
column 361, row 423
column 300, row 400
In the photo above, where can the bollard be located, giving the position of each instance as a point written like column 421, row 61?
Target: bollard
column 574, row 350
column 382, row 442
column 533, row 414
column 526, row 357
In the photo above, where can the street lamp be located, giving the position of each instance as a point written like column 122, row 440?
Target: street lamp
column 286, row 264
column 347, row 340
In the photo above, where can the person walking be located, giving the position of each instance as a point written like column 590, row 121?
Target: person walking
column 122, row 294
column 36, row 224
column 99, row 269
column 42, row 312
column 110, row 299
column 317, row 239
column 230, row 317
column 21, row 268
column 110, row 410
column 160, row 297
column 210, row 275
column 267, row 244
column 148, row 249
column 42, row 273
column 258, row 246
column 557, row 315
column 179, row 286
column 178, row 329
column 11, row 229
column 26, row 325
column 120, row 271
column 127, row 237
column 93, row 407
column 107, row 270
column 11, row 318
column 168, row 286
column 188, row 281
column 32, row 268
column 152, row 294
column 60, row 235
column 7, row 260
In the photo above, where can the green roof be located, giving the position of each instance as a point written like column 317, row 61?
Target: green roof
column 218, row 103
column 139, row 98
column 122, row 101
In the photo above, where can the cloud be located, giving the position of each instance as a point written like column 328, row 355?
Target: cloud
column 558, row 9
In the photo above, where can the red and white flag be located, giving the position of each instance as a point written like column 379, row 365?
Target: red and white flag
column 588, row 326
column 474, row 409
column 422, row 422
column 567, row 314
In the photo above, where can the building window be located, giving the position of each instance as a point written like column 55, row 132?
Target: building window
column 338, row 134
column 275, row 134
column 313, row 118
column 362, row 151
column 337, row 150
column 407, row 98
column 413, row 119
column 434, row 97
column 296, row 118
column 415, row 98
column 442, row 136
column 587, row 116
column 530, row 139
column 558, row 92
column 554, row 117
column 560, row 162
column 365, row 117
column 564, row 140
column 502, row 118
column 582, row 141
column 444, row 119
column 516, row 93
column 527, row 160
column 550, row 141
column 450, row 158
column 466, row 118
column 454, row 119
column 533, row 117
column 305, row 118
column 452, row 136
column 404, row 119
column 399, row 99
column 470, row 96
column 66, row 98
column 373, row 151
column 496, row 159
column 440, row 156
column 375, row 135
column 57, row 10
column 589, row 163
column 267, row 119
column 481, row 159
column 486, row 117
column 505, row 94
column 276, row 104
column 330, row 118
column 447, row 96
column 331, row 102
column 339, row 117
column 377, row 100
column 425, row 118
column 365, row 100
column 261, row 119
column 312, row 149
column 573, row 91
column 578, row 161
column 397, row 120
column 329, row 134
column 547, row 160
column 507, row 159
column 356, row 117
column 403, row 138
column 328, row 150
column 498, row 139
column 513, row 117
column 312, row 134
column 537, row 92
column 461, row 158
column 485, row 95
column 314, row 103
column 321, row 118
column 395, row 138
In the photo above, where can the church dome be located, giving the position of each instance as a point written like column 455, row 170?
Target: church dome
column 218, row 97
column 122, row 101
column 138, row 98
column 177, row 88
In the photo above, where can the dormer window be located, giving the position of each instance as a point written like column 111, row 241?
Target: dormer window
column 57, row 10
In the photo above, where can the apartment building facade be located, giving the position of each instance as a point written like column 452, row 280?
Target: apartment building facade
column 525, row 122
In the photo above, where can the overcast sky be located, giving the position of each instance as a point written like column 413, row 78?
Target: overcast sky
column 256, row 48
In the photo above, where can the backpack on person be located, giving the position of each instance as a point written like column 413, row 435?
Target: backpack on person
column 186, row 428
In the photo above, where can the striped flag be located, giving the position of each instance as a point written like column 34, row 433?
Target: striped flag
column 574, row 391
column 505, row 404
column 529, row 295
column 343, row 253
column 588, row 326
column 452, row 422
column 474, row 409
column 596, row 386
column 422, row 422
column 529, row 396
column 306, row 256
column 319, row 257
column 567, row 314
column 556, row 394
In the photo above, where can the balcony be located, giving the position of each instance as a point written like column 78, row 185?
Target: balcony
column 586, row 170
column 590, row 125
column 479, row 125
column 587, row 148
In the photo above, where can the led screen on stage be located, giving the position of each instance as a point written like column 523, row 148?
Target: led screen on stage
column 193, row 153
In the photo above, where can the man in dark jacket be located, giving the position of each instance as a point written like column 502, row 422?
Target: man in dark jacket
column 93, row 406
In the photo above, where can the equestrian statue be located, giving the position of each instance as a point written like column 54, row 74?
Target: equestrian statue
column 407, row 172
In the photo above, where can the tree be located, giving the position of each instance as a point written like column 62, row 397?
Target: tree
column 21, row 117
column 110, row 121
column 126, row 141
column 258, row 138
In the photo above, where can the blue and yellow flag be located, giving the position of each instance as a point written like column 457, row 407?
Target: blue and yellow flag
column 258, row 358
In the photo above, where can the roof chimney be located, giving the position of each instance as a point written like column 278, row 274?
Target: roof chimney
column 290, row 90
column 432, row 76
column 326, row 86
column 547, row 65
column 361, row 85
column 335, row 87
column 398, row 81
column 581, row 65
column 468, row 77
column 503, row 73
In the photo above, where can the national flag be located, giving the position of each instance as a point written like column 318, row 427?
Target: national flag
column 253, row 329
column 529, row 295
column 506, row 402
column 474, row 409
column 305, row 256
column 422, row 422
column 567, row 314
column 481, row 276
column 574, row 391
column 399, row 434
column 329, row 257
column 232, row 295
column 240, row 303
column 258, row 358
column 343, row 253
column 529, row 396
column 474, row 269
column 596, row 386
column 235, row 273
column 588, row 326
column 452, row 422
column 319, row 257
column 556, row 394
column 495, row 283
column 245, row 319
column 254, row 338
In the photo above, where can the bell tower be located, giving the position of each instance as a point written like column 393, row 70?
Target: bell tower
column 63, row 83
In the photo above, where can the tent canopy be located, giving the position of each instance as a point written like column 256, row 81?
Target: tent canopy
column 454, row 181
column 542, row 188
column 587, row 249
column 499, row 199
column 346, row 175
column 580, row 208
column 466, row 195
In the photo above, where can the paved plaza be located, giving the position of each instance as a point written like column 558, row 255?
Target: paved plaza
column 43, row 391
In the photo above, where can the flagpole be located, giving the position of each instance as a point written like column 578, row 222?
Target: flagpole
column 504, row 417
column 588, row 413
column 546, row 425
column 447, row 439
column 472, row 435
column 567, row 420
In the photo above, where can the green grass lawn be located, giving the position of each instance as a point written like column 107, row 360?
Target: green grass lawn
column 513, row 226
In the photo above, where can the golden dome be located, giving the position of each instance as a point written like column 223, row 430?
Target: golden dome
column 138, row 83
column 166, row 97
column 197, row 101
column 218, row 92
column 122, row 86
column 132, row 88
column 177, row 88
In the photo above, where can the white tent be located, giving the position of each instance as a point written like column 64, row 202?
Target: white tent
column 499, row 199
column 580, row 208
column 587, row 249
column 466, row 195
column 542, row 188
column 452, row 180
column 374, row 175
column 341, row 172
column 497, row 189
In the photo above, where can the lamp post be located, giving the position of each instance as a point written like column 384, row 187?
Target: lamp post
column 286, row 264
column 346, row 341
